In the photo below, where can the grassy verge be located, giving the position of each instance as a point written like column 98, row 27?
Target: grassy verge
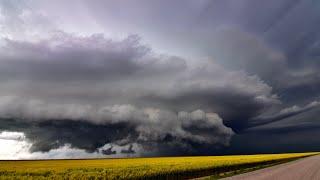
column 141, row 168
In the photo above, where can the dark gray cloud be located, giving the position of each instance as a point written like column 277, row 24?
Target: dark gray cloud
column 52, row 134
column 293, row 134
column 283, row 114
column 181, row 134
column 225, row 66
column 108, row 151
column 120, row 83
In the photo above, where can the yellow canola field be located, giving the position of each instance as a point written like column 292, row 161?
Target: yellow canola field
column 137, row 168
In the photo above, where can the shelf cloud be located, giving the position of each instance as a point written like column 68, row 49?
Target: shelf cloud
column 124, row 79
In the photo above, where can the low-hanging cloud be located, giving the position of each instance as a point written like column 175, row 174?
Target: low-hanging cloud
column 283, row 114
column 248, row 61
column 149, row 98
column 131, row 125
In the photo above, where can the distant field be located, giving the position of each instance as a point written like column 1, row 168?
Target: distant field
column 139, row 168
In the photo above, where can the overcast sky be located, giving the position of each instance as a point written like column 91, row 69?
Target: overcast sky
column 119, row 78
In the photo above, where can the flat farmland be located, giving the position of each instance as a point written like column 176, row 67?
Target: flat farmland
column 142, row 168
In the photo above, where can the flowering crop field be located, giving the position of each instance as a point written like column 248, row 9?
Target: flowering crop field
column 138, row 168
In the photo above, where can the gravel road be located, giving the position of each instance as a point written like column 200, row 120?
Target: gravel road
column 302, row 169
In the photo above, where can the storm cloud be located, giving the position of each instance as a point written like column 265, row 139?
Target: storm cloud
column 50, row 89
column 144, row 78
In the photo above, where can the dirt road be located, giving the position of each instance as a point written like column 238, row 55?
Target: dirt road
column 302, row 169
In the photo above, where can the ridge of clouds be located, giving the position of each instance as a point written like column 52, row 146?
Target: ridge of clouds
column 121, row 83
column 283, row 114
column 247, row 61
